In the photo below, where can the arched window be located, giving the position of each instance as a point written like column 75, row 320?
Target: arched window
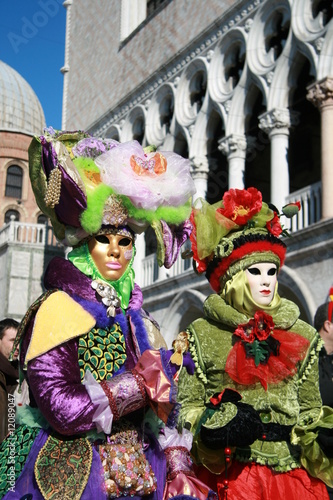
column 9, row 213
column 138, row 130
column 14, row 182
column 153, row 5
column 42, row 219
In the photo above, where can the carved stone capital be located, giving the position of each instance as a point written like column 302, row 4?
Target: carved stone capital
column 233, row 145
column 321, row 93
column 200, row 167
column 147, row 104
column 209, row 55
column 278, row 119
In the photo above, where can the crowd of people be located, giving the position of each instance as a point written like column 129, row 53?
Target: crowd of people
column 240, row 407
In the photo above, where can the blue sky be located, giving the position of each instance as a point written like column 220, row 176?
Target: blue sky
column 32, row 41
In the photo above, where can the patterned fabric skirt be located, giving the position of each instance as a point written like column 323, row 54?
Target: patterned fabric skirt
column 18, row 478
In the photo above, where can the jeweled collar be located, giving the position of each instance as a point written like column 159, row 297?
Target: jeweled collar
column 63, row 275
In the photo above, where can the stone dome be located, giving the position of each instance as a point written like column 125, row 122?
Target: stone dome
column 20, row 109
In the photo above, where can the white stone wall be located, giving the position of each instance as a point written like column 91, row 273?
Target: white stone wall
column 100, row 68
column 21, row 276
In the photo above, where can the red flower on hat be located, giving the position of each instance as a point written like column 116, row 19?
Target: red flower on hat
column 274, row 225
column 240, row 205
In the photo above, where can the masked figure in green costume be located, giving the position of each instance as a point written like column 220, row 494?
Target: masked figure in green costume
column 253, row 403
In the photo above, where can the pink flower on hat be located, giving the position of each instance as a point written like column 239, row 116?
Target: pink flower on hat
column 149, row 179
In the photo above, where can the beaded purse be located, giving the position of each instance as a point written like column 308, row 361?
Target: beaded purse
column 127, row 471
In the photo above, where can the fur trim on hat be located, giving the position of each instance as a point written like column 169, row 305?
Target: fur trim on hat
column 248, row 249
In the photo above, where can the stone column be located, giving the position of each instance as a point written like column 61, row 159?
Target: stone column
column 276, row 123
column 200, row 170
column 64, row 70
column 321, row 95
column 234, row 147
column 139, row 256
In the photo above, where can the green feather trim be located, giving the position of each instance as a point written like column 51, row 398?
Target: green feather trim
column 82, row 163
column 171, row 215
column 91, row 218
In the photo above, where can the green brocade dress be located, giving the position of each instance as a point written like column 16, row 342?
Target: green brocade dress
column 294, row 401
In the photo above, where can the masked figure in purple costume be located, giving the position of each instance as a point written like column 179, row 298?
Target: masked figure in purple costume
column 102, row 414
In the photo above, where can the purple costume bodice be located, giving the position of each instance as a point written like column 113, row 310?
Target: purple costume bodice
column 54, row 377
column 55, row 382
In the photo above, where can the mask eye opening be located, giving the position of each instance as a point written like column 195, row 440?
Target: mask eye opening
column 254, row 271
column 101, row 238
column 125, row 242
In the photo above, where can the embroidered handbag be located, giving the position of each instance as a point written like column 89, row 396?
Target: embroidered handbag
column 127, row 471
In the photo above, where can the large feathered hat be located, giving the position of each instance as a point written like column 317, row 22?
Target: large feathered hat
column 83, row 183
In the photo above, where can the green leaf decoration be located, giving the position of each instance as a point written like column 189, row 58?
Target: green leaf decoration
column 82, row 343
column 24, row 437
column 108, row 356
column 97, row 351
column 99, row 339
column 94, row 361
column 109, row 367
column 258, row 351
column 102, row 352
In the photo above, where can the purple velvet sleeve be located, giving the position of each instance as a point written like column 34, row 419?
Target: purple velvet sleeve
column 173, row 238
column 54, row 379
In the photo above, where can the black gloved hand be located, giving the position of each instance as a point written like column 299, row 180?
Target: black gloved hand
column 245, row 428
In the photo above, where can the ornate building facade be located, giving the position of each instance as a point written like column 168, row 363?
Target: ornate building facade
column 244, row 89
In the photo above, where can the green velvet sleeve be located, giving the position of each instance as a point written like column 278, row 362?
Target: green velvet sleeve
column 193, row 392
column 191, row 396
column 313, row 418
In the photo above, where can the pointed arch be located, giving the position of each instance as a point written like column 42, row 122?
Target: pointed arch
column 184, row 308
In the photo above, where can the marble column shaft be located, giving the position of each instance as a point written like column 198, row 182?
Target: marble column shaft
column 321, row 95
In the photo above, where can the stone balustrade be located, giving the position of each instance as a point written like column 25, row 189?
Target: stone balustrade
column 28, row 233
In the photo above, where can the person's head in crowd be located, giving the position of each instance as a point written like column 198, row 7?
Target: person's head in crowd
column 323, row 323
column 8, row 332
